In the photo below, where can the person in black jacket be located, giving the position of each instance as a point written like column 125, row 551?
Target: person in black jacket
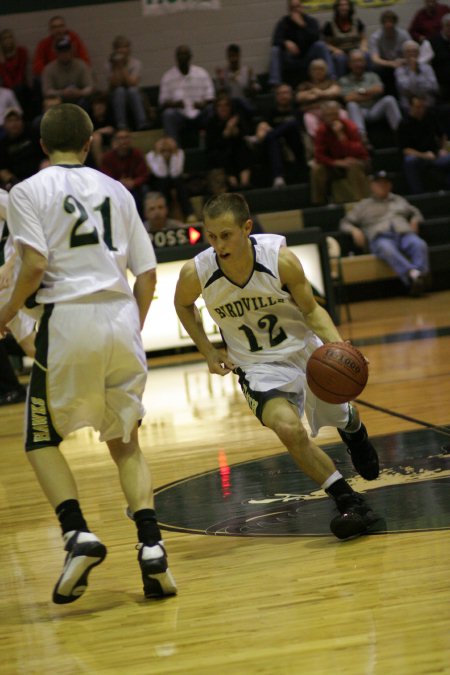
column 295, row 43
column 422, row 141
column 226, row 149
column 20, row 154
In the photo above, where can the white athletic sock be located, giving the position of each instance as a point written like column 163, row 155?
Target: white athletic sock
column 331, row 479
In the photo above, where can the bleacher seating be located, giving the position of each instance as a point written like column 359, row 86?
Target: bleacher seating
column 289, row 208
column 267, row 200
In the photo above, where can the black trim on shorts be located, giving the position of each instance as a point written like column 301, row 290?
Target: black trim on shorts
column 257, row 399
column 40, row 432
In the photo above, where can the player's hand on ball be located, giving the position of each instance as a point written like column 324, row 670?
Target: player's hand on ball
column 349, row 342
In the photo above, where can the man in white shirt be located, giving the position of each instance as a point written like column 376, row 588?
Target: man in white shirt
column 185, row 94
column 77, row 231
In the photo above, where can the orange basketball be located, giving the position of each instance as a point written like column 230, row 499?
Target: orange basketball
column 337, row 372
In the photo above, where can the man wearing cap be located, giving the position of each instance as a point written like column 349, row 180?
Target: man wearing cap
column 386, row 224
column 67, row 77
column 45, row 51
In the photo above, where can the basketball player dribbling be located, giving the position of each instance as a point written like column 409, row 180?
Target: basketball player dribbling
column 77, row 231
column 256, row 291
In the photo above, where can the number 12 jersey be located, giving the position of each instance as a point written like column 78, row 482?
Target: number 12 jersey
column 259, row 321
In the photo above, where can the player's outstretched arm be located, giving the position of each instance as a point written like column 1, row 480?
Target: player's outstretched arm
column 317, row 318
column 187, row 291
column 143, row 291
column 28, row 281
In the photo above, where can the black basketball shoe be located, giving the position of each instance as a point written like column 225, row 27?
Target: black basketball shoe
column 84, row 551
column 363, row 454
column 355, row 517
column 157, row 578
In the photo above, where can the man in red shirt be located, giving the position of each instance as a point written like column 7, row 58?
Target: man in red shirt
column 426, row 22
column 45, row 50
column 127, row 165
column 340, row 159
column 13, row 67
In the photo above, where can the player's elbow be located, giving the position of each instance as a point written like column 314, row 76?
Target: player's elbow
column 148, row 279
column 34, row 262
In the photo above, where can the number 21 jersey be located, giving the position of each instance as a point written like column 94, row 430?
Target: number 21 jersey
column 87, row 227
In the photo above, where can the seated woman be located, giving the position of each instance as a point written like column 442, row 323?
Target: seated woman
column 310, row 96
column 343, row 33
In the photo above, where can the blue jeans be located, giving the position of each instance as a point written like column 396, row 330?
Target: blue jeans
column 402, row 252
column 386, row 107
column 281, row 63
column 290, row 131
column 416, row 166
column 174, row 122
column 121, row 97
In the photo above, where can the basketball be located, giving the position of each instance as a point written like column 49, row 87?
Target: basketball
column 337, row 372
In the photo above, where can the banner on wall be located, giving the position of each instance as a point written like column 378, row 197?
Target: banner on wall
column 318, row 5
column 152, row 7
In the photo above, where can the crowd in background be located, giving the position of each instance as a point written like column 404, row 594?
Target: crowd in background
column 325, row 86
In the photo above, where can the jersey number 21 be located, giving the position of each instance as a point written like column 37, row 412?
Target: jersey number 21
column 72, row 205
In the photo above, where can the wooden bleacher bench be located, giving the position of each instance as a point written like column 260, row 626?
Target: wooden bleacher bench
column 364, row 268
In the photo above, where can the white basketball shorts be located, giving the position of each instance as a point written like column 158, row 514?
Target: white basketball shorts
column 262, row 381
column 90, row 370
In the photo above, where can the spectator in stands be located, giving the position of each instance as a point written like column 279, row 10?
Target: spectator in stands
column 363, row 93
column 103, row 121
column 68, row 77
column 279, row 134
column 414, row 78
column 385, row 48
column 185, row 95
column 127, row 165
column 426, row 22
column 47, row 102
column 344, row 33
column 20, row 154
column 124, row 75
column 225, row 144
column 7, row 100
column 13, row 67
column 46, row 49
column 312, row 93
column 156, row 214
column 295, row 43
column 441, row 60
column 166, row 165
column 387, row 225
column 238, row 80
column 422, row 141
column 340, row 159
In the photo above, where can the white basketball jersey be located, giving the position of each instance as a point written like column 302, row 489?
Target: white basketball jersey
column 86, row 225
column 259, row 321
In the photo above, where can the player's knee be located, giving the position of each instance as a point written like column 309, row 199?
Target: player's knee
column 120, row 451
column 290, row 431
